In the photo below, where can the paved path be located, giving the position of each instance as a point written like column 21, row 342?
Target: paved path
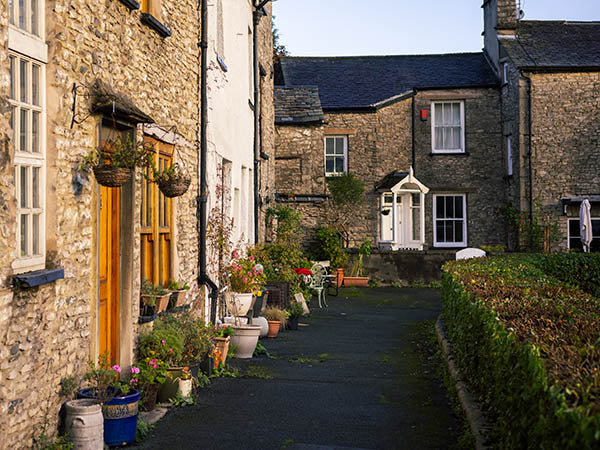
column 353, row 378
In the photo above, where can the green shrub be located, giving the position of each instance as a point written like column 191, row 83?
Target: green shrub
column 530, row 347
column 329, row 247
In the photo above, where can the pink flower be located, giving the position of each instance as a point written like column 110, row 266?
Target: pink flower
column 235, row 254
column 134, row 369
column 154, row 366
column 250, row 258
column 116, row 369
column 245, row 280
column 162, row 341
column 170, row 350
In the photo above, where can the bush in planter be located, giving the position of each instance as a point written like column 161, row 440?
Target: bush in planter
column 329, row 247
column 197, row 338
column 295, row 311
column 164, row 343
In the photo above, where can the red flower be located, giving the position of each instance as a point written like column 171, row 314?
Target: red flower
column 303, row 271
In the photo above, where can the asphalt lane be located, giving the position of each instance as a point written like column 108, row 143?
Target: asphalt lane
column 353, row 378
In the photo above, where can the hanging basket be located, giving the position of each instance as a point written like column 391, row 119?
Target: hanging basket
column 112, row 176
column 175, row 186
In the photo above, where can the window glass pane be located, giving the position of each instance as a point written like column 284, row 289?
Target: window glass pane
column 23, row 131
column 416, row 224
column 449, row 227
column 458, row 231
column 329, row 164
column 596, row 228
column 574, row 230
column 416, row 199
column 399, row 199
column 24, row 191
column 329, row 143
column 23, row 80
column 36, row 234
column 339, row 165
column 35, row 132
column 23, row 234
column 455, row 119
column 34, row 17
column 439, row 138
column 35, row 84
column 575, row 243
column 447, row 114
column 35, row 187
column 13, row 68
column 13, row 116
column 388, row 199
column 449, row 207
column 458, row 206
column 11, row 12
column 22, row 14
column 456, row 138
column 439, row 231
column 339, row 146
column 439, row 207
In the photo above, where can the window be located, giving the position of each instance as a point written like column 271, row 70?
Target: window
column 27, row 99
column 509, row 163
column 447, row 127
column 450, row 220
column 415, row 216
column 336, row 155
column 505, row 73
column 575, row 235
column 152, row 7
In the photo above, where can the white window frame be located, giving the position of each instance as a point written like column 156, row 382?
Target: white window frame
column 505, row 73
column 25, row 46
column 509, row 161
column 569, row 237
column 463, row 243
column 462, row 126
column 335, row 136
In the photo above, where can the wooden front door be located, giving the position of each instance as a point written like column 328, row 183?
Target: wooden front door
column 156, row 227
column 109, row 273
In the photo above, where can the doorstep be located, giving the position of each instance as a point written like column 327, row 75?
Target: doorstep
column 151, row 417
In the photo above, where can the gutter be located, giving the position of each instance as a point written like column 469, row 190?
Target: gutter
column 202, row 196
column 412, row 132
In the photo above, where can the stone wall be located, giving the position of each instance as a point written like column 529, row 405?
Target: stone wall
column 478, row 172
column 52, row 329
column 267, row 121
column 565, row 123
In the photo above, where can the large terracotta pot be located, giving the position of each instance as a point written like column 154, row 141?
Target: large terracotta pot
column 274, row 326
column 340, row 277
column 245, row 340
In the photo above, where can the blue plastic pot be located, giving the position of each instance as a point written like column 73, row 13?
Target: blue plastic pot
column 120, row 417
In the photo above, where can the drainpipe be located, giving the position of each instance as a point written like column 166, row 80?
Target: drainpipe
column 256, row 16
column 203, row 277
column 530, row 147
column 413, row 130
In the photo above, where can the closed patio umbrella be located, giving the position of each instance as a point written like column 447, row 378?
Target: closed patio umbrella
column 585, row 224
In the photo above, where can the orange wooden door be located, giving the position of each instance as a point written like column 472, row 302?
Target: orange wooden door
column 109, row 273
column 156, row 227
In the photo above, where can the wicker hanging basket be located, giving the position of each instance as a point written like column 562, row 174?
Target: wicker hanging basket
column 112, row 176
column 175, row 186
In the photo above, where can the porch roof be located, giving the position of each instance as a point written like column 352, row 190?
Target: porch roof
column 398, row 180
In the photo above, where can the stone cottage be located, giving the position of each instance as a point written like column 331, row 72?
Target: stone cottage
column 76, row 75
column 441, row 142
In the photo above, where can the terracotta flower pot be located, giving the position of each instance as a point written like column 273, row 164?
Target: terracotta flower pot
column 340, row 277
column 221, row 347
column 274, row 326
column 356, row 281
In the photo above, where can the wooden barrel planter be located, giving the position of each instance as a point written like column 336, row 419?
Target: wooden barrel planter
column 85, row 424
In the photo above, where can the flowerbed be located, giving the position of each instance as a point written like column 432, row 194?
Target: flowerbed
column 529, row 344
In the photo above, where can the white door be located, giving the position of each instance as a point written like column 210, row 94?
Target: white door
column 387, row 218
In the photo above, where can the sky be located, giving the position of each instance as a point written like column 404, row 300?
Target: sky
column 401, row 27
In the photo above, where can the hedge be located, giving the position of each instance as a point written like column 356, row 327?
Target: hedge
column 529, row 345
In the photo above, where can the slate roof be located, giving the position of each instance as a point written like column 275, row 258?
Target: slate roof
column 364, row 81
column 390, row 180
column 297, row 105
column 555, row 44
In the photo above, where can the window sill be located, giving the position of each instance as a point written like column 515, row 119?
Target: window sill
column 38, row 277
column 152, row 22
column 449, row 154
column 131, row 4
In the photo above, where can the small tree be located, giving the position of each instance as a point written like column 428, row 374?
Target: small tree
column 347, row 196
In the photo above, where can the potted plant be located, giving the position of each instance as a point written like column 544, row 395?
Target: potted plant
column 173, row 181
column 118, row 397
column 358, row 274
column 152, row 374
column 179, row 291
column 275, row 317
column 222, row 339
column 114, row 162
column 295, row 311
column 154, row 298
column 246, row 279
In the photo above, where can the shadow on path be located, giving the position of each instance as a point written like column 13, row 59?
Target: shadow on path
column 354, row 377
